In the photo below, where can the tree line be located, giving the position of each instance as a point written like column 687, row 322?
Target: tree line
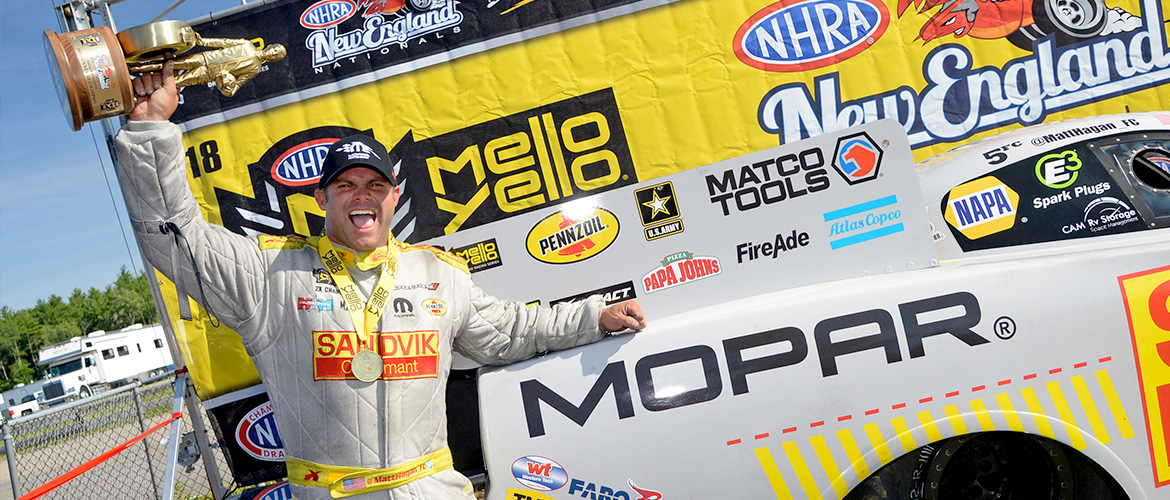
column 22, row 333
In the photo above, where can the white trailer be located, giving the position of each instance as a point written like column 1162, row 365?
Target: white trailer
column 100, row 360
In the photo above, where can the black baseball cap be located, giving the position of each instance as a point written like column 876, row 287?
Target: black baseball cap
column 357, row 150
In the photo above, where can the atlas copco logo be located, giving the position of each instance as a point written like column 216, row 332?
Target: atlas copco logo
column 857, row 158
column 327, row 13
column 258, row 436
column 801, row 35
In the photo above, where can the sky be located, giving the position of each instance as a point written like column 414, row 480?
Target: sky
column 63, row 223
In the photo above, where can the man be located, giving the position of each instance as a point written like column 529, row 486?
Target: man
column 373, row 424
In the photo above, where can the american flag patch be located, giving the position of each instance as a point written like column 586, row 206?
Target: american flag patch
column 353, row 484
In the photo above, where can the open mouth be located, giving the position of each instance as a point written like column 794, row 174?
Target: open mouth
column 362, row 219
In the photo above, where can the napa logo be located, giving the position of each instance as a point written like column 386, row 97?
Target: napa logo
column 327, row 13
column 981, row 207
column 572, row 235
column 301, row 165
column 258, row 436
column 801, row 35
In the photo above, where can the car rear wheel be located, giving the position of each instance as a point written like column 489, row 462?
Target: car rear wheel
column 420, row 5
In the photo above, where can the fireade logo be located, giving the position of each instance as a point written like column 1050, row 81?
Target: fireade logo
column 981, row 207
column 565, row 238
column 1146, row 297
column 257, row 434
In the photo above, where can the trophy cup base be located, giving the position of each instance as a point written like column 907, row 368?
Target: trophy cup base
column 92, row 80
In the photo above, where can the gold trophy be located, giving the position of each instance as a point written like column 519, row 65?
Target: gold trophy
column 91, row 68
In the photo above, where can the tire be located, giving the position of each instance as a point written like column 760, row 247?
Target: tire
column 26, row 413
column 1070, row 20
column 420, row 5
column 84, row 392
column 991, row 466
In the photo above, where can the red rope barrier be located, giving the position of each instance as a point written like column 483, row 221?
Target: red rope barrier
column 77, row 471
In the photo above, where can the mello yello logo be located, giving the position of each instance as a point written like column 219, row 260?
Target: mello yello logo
column 562, row 238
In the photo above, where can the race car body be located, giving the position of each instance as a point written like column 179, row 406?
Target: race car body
column 828, row 321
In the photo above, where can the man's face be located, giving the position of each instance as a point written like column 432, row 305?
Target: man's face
column 358, row 205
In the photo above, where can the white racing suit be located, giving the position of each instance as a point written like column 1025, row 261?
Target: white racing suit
column 261, row 288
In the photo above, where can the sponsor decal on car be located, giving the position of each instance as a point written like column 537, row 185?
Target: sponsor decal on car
column 611, row 294
column 1043, row 202
column 1059, row 170
column 565, row 238
column 480, row 256
column 801, row 35
column 658, row 208
column 782, row 243
column 679, row 269
column 515, row 494
column 1146, row 296
column 858, row 158
column 773, row 180
column 1108, row 212
column 981, row 207
column 539, row 473
column 864, row 222
column 258, row 436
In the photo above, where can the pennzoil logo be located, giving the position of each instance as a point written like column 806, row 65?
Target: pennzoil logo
column 1146, row 297
column 565, row 239
column 434, row 306
column 405, row 355
column 258, row 436
column 981, row 207
column 679, row 269
column 832, row 31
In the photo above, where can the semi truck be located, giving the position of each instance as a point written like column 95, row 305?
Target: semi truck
column 100, row 360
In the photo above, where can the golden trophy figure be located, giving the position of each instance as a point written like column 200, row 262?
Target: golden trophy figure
column 91, row 68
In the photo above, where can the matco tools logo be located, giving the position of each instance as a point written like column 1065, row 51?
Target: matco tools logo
column 539, row 473
column 1146, row 295
column 567, row 238
column 981, row 207
column 800, row 35
column 857, row 158
column 257, row 434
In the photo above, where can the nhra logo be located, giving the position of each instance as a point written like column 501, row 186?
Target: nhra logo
column 563, row 239
column 301, row 164
column 981, row 207
column 799, row 35
column 258, row 436
column 539, row 473
column 857, row 158
column 327, row 13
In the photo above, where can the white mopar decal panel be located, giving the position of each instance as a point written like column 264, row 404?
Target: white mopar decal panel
column 802, row 393
column 834, row 207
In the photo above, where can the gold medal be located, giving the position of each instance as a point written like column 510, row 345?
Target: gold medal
column 367, row 365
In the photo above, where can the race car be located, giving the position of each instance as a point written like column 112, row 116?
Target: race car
column 989, row 324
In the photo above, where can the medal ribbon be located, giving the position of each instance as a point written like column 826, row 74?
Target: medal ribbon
column 362, row 323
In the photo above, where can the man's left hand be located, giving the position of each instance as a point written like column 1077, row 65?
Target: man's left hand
column 621, row 316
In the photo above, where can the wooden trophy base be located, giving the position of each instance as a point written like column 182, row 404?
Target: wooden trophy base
column 90, row 72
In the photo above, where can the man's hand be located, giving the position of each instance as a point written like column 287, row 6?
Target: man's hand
column 155, row 95
column 622, row 315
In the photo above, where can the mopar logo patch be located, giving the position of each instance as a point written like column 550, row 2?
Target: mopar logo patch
column 800, row 35
column 539, row 473
column 300, row 165
column 564, row 238
column 327, row 13
column 258, row 436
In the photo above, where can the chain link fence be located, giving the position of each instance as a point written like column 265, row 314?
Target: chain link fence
column 54, row 441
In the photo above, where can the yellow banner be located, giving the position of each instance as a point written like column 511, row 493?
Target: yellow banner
column 497, row 128
column 1146, row 295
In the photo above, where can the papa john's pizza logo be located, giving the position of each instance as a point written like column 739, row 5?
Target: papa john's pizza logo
column 257, row 434
column 566, row 237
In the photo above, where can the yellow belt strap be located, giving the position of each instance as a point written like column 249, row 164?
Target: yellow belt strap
column 346, row 481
